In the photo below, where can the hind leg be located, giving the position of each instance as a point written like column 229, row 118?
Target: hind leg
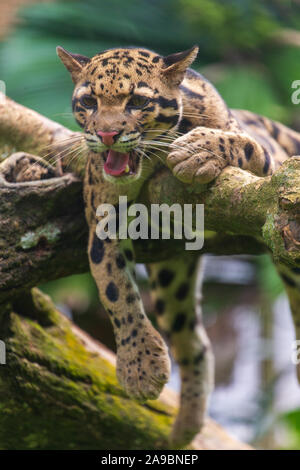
column 173, row 285
column 291, row 280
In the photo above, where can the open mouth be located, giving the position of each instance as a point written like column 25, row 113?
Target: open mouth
column 120, row 164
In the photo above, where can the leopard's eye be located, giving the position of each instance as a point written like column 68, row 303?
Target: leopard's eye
column 88, row 101
column 137, row 102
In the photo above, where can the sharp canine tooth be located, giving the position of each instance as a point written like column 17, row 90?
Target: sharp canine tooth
column 127, row 169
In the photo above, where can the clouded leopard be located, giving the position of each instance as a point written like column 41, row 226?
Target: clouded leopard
column 140, row 110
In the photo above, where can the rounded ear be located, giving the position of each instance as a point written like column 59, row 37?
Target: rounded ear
column 74, row 63
column 176, row 64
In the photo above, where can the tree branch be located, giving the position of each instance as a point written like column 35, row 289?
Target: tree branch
column 42, row 220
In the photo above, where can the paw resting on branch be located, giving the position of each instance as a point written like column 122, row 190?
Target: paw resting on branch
column 43, row 236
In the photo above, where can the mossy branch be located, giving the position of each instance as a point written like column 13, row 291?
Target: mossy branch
column 52, row 383
column 43, row 231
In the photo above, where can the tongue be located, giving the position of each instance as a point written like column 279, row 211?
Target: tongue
column 116, row 163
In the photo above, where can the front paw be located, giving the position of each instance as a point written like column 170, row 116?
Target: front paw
column 201, row 167
column 143, row 365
